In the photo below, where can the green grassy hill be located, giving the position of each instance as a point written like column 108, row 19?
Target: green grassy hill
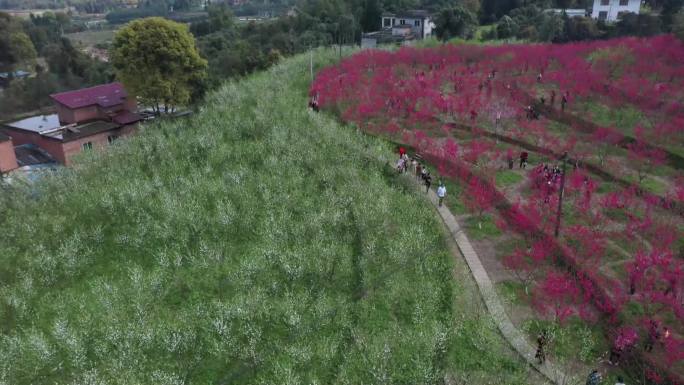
column 257, row 242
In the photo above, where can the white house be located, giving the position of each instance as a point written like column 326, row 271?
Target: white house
column 612, row 10
column 420, row 22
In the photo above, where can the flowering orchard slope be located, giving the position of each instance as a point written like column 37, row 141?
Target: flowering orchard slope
column 615, row 107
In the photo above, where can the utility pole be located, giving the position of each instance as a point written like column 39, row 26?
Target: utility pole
column 560, row 196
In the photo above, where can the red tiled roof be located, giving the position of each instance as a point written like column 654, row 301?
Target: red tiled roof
column 127, row 117
column 105, row 95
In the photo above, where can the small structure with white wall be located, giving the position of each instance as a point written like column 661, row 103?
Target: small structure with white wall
column 571, row 12
column 612, row 10
column 419, row 21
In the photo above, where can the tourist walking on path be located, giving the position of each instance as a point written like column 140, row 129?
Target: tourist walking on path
column 523, row 159
column 428, row 182
column 594, row 378
column 313, row 103
column 400, row 165
column 441, row 192
column 541, row 345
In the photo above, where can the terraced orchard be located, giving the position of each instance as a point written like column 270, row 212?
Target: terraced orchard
column 257, row 242
column 613, row 113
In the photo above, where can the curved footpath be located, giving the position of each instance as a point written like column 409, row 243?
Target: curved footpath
column 514, row 336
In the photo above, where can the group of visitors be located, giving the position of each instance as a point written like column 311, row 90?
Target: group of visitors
column 403, row 162
column 548, row 179
column 419, row 170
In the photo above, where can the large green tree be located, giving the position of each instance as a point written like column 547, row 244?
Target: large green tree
column 455, row 22
column 158, row 61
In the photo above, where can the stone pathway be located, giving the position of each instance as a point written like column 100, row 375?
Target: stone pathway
column 491, row 299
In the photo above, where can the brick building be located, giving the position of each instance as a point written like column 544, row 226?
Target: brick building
column 86, row 119
column 8, row 160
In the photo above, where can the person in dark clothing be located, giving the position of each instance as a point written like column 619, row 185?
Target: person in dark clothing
column 313, row 103
column 542, row 100
column 564, row 101
column 615, row 354
column 553, row 97
column 510, row 162
column 428, row 182
column 523, row 159
column 541, row 344
column 594, row 378
column 653, row 336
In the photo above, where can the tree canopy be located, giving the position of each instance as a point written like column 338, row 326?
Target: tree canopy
column 157, row 60
column 455, row 22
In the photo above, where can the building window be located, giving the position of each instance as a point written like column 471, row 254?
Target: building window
column 386, row 22
column 603, row 15
column 605, row 2
column 620, row 15
column 87, row 146
column 112, row 138
column 402, row 21
column 416, row 23
column 624, row 3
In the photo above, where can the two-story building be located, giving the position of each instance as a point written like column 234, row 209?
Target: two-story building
column 418, row 21
column 612, row 10
column 400, row 28
column 85, row 119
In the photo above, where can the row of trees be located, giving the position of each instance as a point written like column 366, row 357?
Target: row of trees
column 535, row 24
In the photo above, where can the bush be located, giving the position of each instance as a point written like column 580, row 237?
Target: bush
column 507, row 27
column 455, row 22
column 639, row 25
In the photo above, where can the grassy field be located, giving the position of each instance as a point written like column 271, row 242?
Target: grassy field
column 257, row 242
column 92, row 37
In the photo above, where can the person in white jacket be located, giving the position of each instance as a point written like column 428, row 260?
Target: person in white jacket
column 441, row 193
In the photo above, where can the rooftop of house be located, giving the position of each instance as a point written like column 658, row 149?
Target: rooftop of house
column 38, row 123
column 87, row 129
column 411, row 14
column 31, row 155
column 49, row 126
column 127, row 117
column 106, row 95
